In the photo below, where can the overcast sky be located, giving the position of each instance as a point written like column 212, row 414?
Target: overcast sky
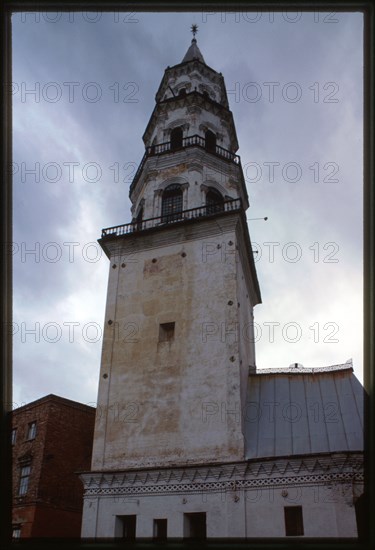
column 294, row 84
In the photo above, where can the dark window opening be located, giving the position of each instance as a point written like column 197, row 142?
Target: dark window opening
column 361, row 515
column 128, row 527
column 176, row 139
column 182, row 92
column 160, row 530
column 139, row 219
column 14, row 435
column 31, row 431
column 166, row 332
column 171, row 203
column 210, row 138
column 153, row 144
column 293, row 521
column 195, row 526
column 214, row 201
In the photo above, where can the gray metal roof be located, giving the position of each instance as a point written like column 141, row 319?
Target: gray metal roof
column 193, row 53
column 299, row 411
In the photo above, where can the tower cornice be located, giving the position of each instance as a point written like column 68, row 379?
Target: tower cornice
column 187, row 68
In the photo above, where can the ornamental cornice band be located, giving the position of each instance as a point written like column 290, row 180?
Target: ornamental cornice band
column 225, row 486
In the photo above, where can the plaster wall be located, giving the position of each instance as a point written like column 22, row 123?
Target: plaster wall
column 158, row 404
column 243, row 514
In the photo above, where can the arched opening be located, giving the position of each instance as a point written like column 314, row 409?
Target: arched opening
column 210, row 138
column 171, row 206
column 176, row 138
column 214, row 201
column 139, row 219
column 182, row 92
column 153, row 144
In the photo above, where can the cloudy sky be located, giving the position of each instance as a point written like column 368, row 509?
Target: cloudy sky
column 84, row 87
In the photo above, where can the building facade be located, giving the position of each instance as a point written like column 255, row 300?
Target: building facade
column 51, row 442
column 177, row 452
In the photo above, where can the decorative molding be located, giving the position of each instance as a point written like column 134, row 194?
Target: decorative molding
column 179, row 122
column 193, row 110
column 173, row 179
column 306, row 370
column 332, row 470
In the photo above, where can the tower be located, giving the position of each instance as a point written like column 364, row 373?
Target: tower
column 182, row 284
column 185, row 444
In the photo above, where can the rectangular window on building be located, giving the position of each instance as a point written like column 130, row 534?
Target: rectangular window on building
column 293, row 521
column 160, row 529
column 128, row 527
column 24, row 479
column 14, row 435
column 166, row 332
column 16, row 531
column 195, row 525
column 31, row 431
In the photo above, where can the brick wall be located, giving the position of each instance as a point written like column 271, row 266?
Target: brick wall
column 62, row 446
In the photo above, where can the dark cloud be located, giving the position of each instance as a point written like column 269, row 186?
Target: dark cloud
column 124, row 60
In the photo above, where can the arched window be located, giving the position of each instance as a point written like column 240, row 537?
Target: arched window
column 182, row 92
column 176, row 138
column 210, row 141
column 139, row 219
column 171, row 206
column 214, row 201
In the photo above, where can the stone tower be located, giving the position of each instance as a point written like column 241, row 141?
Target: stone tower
column 182, row 286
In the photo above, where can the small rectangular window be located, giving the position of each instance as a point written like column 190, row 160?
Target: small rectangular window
column 31, row 432
column 16, row 532
column 195, row 525
column 160, row 529
column 293, row 521
column 24, row 479
column 14, row 435
column 166, row 332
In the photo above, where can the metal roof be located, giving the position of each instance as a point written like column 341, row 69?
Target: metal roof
column 299, row 411
column 193, row 53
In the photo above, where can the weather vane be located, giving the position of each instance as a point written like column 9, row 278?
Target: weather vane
column 194, row 29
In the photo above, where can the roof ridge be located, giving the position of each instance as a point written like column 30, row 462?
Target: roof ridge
column 299, row 369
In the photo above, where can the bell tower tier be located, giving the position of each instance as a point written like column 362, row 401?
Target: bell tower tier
column 190, row 139
column 178, row 339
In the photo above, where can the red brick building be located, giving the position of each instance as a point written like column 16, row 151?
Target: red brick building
column 52, row 440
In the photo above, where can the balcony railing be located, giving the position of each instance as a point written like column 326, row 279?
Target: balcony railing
column 176, row 217
column 191, row 141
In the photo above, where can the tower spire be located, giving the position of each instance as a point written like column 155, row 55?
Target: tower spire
column 193, row 51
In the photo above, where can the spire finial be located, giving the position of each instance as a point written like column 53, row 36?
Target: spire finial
column 194, row 30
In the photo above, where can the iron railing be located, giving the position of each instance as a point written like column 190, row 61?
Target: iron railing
column 176, row 217
column 191, row 141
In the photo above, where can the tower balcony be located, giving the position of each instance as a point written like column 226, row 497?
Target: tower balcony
column 190, row 141
column 173, row 218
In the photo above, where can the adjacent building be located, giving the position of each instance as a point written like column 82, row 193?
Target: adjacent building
column 52, row 441
column 191, row 440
